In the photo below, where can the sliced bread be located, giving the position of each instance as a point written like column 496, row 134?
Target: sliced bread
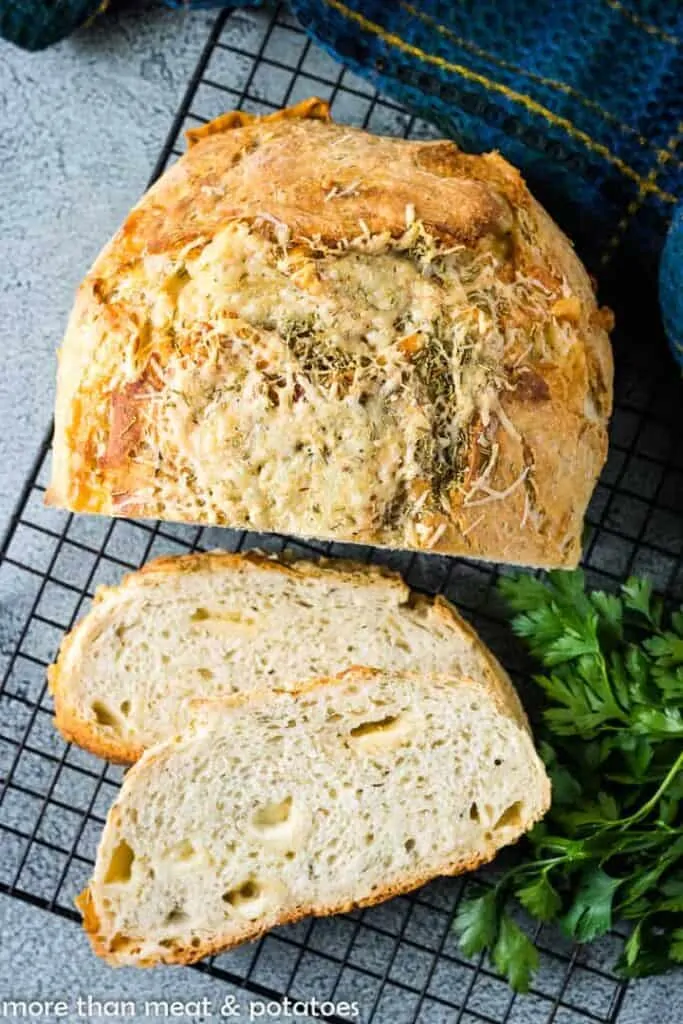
column 211, row 625
column 285, row 805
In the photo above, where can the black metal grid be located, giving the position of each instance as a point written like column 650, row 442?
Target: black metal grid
column 399, row 960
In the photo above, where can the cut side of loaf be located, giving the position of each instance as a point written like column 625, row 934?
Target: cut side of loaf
column 212, row 625
column 286, row 805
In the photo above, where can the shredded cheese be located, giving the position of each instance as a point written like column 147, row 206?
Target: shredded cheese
column 473, row 525
column 307, row 389
column 339, row 192
column 494, row 495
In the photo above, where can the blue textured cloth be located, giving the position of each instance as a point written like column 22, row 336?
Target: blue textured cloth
column 35, row 24
column 585, row 98
column 671, row 285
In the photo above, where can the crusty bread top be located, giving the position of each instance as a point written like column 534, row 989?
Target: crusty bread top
column 306, row 328
column 344, row 793
column 214, row 624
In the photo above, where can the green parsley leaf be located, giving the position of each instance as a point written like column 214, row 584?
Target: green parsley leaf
column 633, row 945
column 540, row 898
column 638, row 598
column 590, row 914
column 659, row 722
column 644, row 953
column 676, row 947
column 610, row 616
column 570, row 646
column 611, row 845
column 666, row 649
column 672, row 891
column 515, row 955
column 638, row 668
column 644, row 881
column 523, row 592
column 541, row 627
column 603, row 809
column 565, row 788
column 476, row 923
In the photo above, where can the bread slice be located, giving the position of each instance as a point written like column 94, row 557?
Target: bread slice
column 211, row 625
column 284, row 805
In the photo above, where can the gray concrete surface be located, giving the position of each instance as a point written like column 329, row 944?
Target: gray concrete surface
column 63, row 971
column 80, row 128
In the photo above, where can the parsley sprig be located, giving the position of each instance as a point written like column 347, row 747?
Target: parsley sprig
column 611, row 736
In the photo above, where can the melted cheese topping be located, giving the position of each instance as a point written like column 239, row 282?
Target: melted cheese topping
column 322, row 392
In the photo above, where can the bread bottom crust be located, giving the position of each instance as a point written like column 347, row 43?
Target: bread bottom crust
column 184, row 955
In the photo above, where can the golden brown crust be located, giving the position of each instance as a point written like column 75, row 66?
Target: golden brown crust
column 191, row 954
column 122, row 751
column 278, row 172
column 75, row 730
column 311, row 109
column 72, row 727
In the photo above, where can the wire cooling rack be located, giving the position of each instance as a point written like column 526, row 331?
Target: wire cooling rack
column 398, row 960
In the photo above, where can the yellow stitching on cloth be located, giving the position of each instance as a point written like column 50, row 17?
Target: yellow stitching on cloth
column 552, row 83
column 639, row 198
column 537, row 108
column 100, row 10
column 652, row 30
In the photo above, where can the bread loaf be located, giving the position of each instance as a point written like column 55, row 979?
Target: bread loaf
column 307, row 329
column 211, row 625
column 341, row 795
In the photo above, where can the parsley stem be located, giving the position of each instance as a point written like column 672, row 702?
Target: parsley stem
column 545, row 865
column 676, row 767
